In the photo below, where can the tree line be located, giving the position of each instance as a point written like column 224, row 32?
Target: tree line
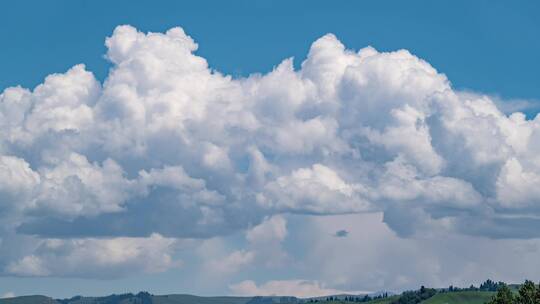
column 528, row 293
column 415, row 296
column 488, row 285
column 358, row 299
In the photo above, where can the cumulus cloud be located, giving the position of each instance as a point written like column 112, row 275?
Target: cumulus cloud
column 18, row 182
column 270, row 230
column 318, row 189
column 266, row 241
column 168, row 146
column 264, row 249
column 106, row 258
column 232, row 263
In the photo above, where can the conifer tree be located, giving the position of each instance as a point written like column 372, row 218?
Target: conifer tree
column 537, row 295
column 504, row 296
column 527, row 293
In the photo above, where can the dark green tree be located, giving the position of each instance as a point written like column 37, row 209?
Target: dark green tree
column 504, row 296
column 490, row 285
column 527, row 293
column 537, row 295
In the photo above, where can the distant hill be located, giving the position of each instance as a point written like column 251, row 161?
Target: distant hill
column 456, row 297
column 441, row 297
column 460, row 297
column 184, row 298
column 146, row 298
column 29, row 300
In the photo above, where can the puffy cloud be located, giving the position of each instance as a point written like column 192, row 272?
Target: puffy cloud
column 167, row 145
column 318, row 189
column 401, row 183
column 63, row 102
column 272, row 229
column 76, row 187
column 18, row 182
column 408, row 136
column 97, row 257
column 297, row 288
column 517, row 187
column 264, row 249
column 266, row 241
column 232, row 263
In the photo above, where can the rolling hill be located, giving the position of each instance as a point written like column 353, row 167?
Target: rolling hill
column 29, row 300
column 457, row 297
column 460, row 297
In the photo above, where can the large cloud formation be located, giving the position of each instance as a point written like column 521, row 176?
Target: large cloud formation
column 167, row 149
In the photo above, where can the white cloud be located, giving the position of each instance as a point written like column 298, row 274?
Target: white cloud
column 18, row 182
column 402, row 183
column 97, row 257
column 232, row 263
column 76, row 187
column 297, row 288
column 168, row 145
column 318, row 189
column 63, row 102
column 408, row 136
column 266, row 241
column 270, row 230
column 264, row 249
column 517, row 187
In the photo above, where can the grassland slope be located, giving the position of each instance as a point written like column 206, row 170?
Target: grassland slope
column 460, row 297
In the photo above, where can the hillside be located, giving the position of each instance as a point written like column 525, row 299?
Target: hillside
column 146, row 298
column 460, row 297
column 28, row 300
column 387, row 300
column 183, row 298
column 457, row 297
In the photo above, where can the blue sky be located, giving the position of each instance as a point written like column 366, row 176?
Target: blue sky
column 198, row 159
column 486, row 46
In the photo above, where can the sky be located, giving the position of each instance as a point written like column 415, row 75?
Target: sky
column 267, row 147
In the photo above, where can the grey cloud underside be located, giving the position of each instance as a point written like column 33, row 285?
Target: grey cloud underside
column 167, row 146
column 164, row 215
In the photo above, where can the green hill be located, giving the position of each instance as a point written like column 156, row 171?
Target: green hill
column 28, row 300
column 456, row 297
column 146, row 298
column 460, row 297
column 387, row 300
column 184, row 298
